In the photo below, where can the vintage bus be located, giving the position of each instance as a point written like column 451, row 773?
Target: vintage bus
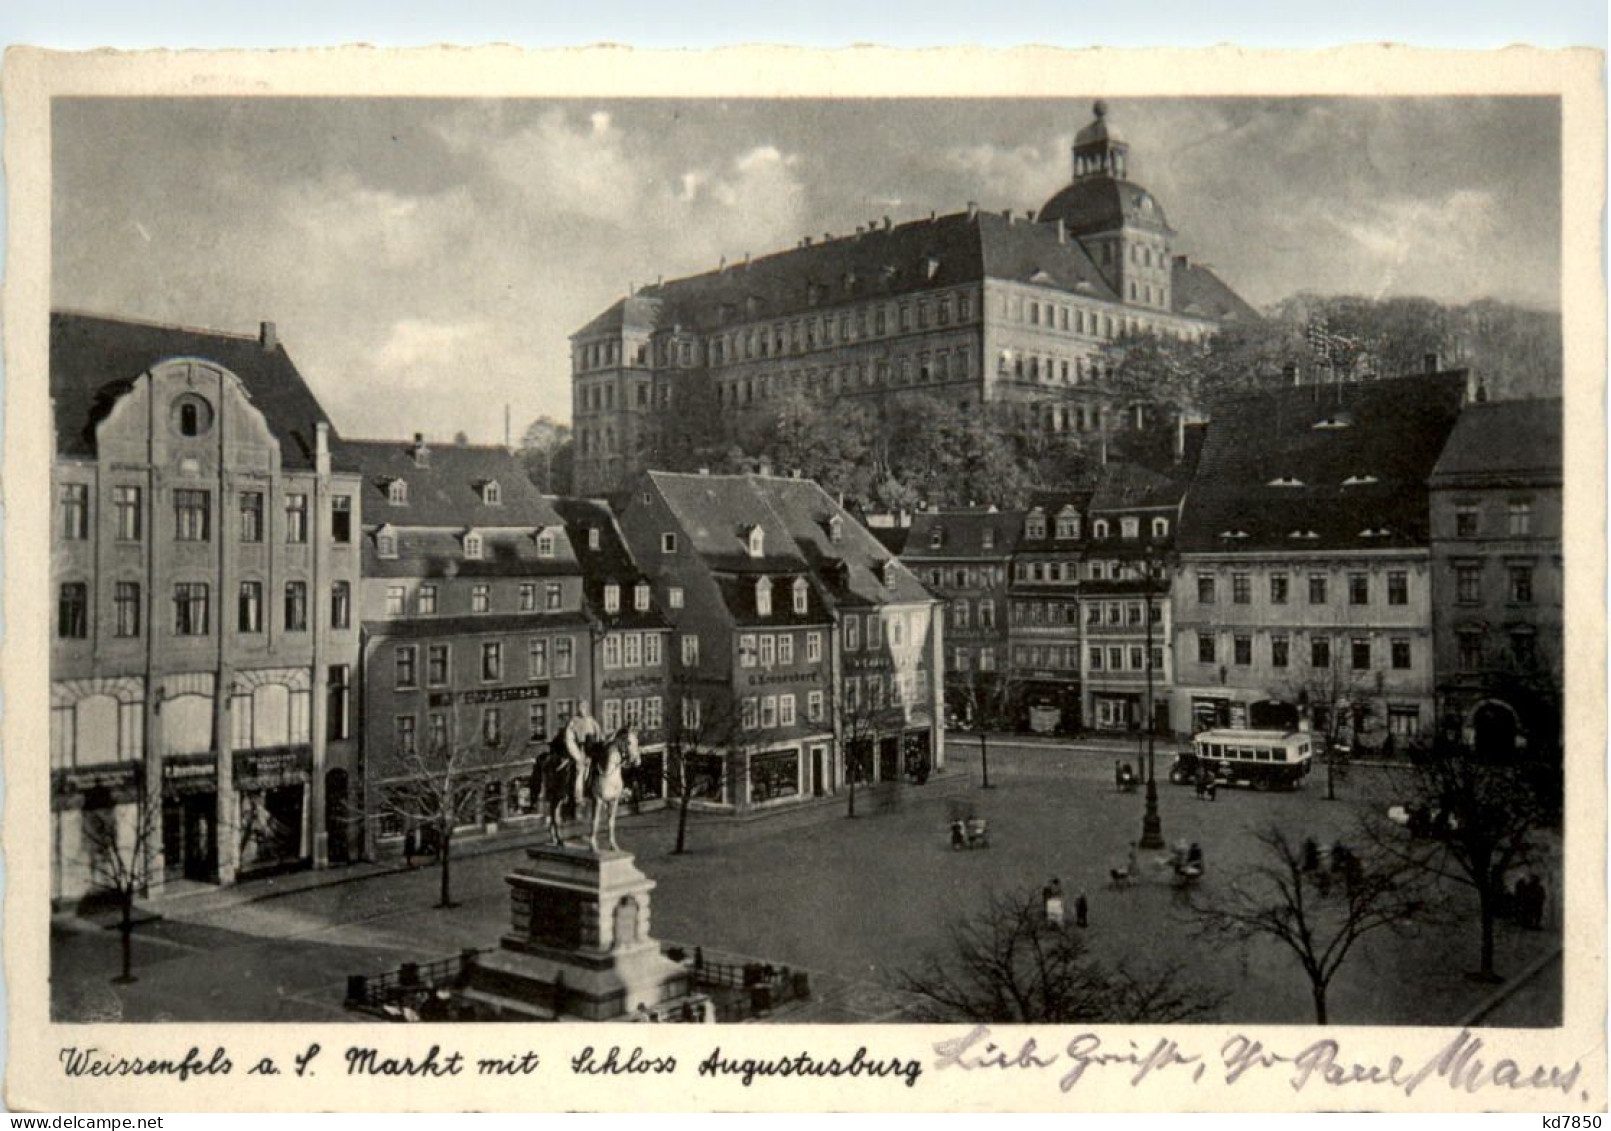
column 1263, row 759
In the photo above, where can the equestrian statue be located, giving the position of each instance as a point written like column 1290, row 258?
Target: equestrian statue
column 579, row 766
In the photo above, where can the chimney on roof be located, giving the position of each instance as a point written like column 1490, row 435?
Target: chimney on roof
column 268, row 336
column 421, row 453
column 932, row 215
column 973, row 210
column 659, row 279
column 1062, row 230
column 827, row 237
column 632, row 288
column 1006, row 214
column 1482, row 393
column 805, row 241
column 859, row 231
column 1029, row 214
column 721, row 268
column 746, row 261
column 887, row 224
column 1431, row 362
column 321, row 448
column 1180, row 437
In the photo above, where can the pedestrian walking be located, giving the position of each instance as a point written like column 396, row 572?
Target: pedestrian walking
column 1052, row 895
column 1082, row 911
column 411, row 847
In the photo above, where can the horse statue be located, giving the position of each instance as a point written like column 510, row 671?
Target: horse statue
column 606, row 763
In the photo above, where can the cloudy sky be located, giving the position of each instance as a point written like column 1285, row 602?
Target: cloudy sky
column 426, row 260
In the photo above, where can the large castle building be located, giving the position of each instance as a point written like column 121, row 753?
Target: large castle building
column 971, row 307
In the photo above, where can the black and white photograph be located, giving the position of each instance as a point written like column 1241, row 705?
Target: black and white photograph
column 1081, row 560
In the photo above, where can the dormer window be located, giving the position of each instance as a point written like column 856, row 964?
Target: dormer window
column 1359, row 480
column 800, row 596
column 987, row 538
column 936, row 538
column 836, row 529
column 612, row 598
column 886, row 572
column 1331, row 422
column 1286, row 481
column 472, row 545
column 1233, row 535
column 763, row 596
column 755, row 541
column 492, row 493
column 1130, row 527
column 545, row 545
column 592, row 537
column 1160, row 528
column 1304, row 535
column 386, row 542
column 640, row 596
column 1068, row 524
column 1099, row 529
column 397, row 492
column 1374, row 532
column 1035, row 526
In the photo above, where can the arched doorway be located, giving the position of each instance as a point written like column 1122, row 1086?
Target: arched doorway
column 336, row 820
column 1493, row 730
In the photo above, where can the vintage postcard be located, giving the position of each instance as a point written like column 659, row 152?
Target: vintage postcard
column 771, row 579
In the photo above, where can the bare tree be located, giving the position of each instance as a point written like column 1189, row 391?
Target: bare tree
column 120, row 858
column 545, row 450
column 1473, row 817
column 696, row 751
column 987, row 699
column 1334, row 696
column 441, row 788
column 861, row 725
column 1007, row 964
column 1316, row 909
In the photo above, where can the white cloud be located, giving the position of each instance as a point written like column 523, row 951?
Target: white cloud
column 1012, row 173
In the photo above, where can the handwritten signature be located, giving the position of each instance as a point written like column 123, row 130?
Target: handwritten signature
column 1461, row 1065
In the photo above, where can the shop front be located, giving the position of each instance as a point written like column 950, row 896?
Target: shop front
column 190, row 817
column 271, row 786
column 1047, row 705
column 776, row 776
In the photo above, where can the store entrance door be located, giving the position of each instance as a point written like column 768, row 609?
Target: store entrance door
column 190, row 837
column 889, row 758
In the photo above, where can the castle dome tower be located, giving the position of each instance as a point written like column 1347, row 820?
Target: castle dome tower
column 1120, row 224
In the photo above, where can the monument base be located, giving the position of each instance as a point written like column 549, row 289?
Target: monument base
column 579, row 946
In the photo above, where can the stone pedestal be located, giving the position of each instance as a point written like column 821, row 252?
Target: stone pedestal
column 579, row 944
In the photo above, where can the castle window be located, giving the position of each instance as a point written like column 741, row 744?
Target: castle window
column 800, row 591
column 756, row 542
column 545, row 545
column 491, row 493
column 472, row 546
column 397, row 492
column 386, row 544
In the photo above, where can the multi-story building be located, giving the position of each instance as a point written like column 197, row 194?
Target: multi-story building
column 781, row 604
column 1124, row 598
column 1044, row 594
column 476, row 629
column 631, row 636
column 204, row 559
column 964, row 556
column 1304, row 567
column 970, row 307
column 1496, row 575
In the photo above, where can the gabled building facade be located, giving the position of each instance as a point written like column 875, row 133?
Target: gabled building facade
column 476, row 626
column 1497, row 584
column 205, row 562
column 970, row 307
column 1044, row 595
column 769, row 586
column 1304, row 577
column 1127, row 660
column 964, row 556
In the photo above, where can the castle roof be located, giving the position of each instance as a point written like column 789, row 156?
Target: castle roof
column 1503, row 442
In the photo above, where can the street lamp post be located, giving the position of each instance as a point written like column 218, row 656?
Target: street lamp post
column 1151, row 822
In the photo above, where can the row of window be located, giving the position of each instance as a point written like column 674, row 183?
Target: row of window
column 1474, row 648
column 874, row 691
column 895, row 626
column 1358, row 588
column 963, row 659
column 192, row 608
column 645, row 712
column 845, row 326
column 192, row 515
column 763, row 649
column 426, row 603
column 918, row 369
column 1518, row 519
column 1114, row 658
column 1068, row 527
column 631, row 650
column 1360, row 651
column 1095, row 570
column 1046, row 370
column 968, row 577
column 768, row 711
column 960, row 613
column 1468, row 583
column 547, row 657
